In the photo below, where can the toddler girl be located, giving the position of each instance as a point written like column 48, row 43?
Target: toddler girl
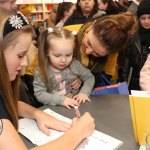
column 58, row 69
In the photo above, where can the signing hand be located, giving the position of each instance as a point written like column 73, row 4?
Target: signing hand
column 85, row 125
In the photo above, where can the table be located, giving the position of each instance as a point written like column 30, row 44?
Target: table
column 112, row 116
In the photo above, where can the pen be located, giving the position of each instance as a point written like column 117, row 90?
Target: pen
column 77, row 111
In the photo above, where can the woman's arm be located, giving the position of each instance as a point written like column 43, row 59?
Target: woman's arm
column 74, row 136
column 44, row 121
column 81, row 128
column 9, row 138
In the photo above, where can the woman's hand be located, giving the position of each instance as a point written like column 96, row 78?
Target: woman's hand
column 81, row 98
column 84, row 125
column 45, row 122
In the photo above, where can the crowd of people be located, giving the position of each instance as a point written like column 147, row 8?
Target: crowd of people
column 113, row 41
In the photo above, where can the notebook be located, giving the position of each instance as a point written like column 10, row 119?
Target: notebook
column 140, row 110
column 98, row 140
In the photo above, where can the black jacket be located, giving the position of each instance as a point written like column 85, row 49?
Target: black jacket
column 133, row 62
column 76, row 20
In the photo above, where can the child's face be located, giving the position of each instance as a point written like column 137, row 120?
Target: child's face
column 61, row 53
column 15, row 55
column 145, row 21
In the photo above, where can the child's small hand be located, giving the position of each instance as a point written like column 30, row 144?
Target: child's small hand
column 81, row 98
column 70, row 102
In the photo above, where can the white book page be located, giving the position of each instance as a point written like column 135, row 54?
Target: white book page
column 140, row 93
column 142, row 147
column 98, row 140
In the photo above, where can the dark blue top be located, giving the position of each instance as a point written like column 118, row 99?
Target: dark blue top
column 3, row 111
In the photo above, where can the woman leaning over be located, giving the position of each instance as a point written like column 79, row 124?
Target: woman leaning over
column 100, row 42
column 13, row 48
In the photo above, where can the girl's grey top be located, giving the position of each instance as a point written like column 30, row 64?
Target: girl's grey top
column 60, row 83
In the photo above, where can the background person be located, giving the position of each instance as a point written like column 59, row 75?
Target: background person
column 123, row 4
column 138, row 47
column 101, row 40
column 24, row 9
column 50, row 22
column 109, row 6
column 9, row 5
column 85, row 10
column 64, row 11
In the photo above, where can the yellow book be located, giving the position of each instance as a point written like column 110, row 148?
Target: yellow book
column 75, row 27
column 140, row 110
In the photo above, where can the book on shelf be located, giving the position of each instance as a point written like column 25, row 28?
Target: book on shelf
column 36, row 8
column 49, row 7
column 39, row 17
column 30, row 1
column 32, row 8
column 39, row 8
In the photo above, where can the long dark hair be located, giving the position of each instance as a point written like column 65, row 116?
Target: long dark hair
column 113, row 31
column 62, row 8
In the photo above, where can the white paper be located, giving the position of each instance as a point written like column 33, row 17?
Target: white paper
column 140, row 93
column 98, row 140
column 142, row 147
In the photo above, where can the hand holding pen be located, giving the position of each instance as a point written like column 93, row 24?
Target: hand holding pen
column 85, row 124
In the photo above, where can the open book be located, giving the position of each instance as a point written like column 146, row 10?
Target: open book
column 140, row 110
column 98, row 140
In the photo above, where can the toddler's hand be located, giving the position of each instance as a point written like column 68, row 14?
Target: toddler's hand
column 81, row 98
column 70, row 102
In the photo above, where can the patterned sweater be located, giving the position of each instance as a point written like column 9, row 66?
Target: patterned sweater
column 60, row 83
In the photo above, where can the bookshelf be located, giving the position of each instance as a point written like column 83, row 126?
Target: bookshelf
column 40, row 8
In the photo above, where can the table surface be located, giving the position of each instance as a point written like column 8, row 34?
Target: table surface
column 112, row 116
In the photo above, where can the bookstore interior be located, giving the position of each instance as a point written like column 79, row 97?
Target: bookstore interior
column 41, row 9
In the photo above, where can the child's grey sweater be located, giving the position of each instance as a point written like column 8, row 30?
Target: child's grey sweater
column 60, row 83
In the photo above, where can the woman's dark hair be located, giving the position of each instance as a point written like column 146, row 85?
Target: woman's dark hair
column 113, row 30
column 62, row 8
column 112, row 7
